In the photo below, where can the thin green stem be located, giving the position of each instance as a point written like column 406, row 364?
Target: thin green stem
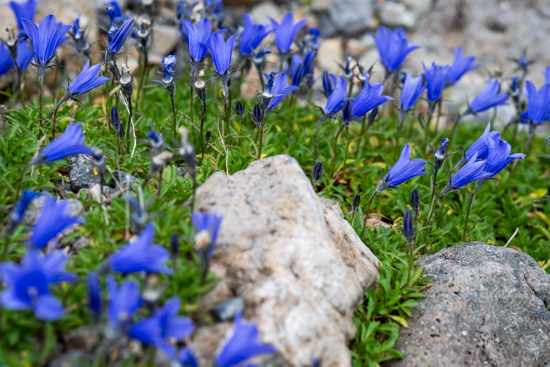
column 174, row 123
column 367, row 212
column 470, row 204
column 203, row 116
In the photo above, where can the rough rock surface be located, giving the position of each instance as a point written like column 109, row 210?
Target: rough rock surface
column 292, row 257
column 82, row 175
column 487, row 306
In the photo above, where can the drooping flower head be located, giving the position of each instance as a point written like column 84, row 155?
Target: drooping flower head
column 141, row 255
column 393, row 47
column 54, row 218
column 244, row 344
column 280, row 90
column 123, row 303
column 412, row 90
column 489, row 97
column 286, row 32
column 28, row 284
column 168, row 70
column 45, row 38
column 87, row 80
column 403, row 170
column 67, row 144
column 369, row 98
column 499, row 155
column 23, row 10
column 163, row 328
column 253, row 34
column 538, row 107
column 436, row 77
column 461, row 65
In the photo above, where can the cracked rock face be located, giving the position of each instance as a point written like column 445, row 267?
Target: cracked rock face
column 487, row 306
column 295, row 261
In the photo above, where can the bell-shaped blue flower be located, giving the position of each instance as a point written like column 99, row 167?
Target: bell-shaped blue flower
column 187, row 358
column 315, row 33
column 55, row 217
column 489, row 97
column 302, row 69
column 209, row 223
column 87, row 80
column 93, row 286
column 120, row 36
column 403, row 170
column 6, row 62
column 412, row 90
column 329, row 82
column 25, row 54
column 286, row 32
column 393, row 47
column 499, row 155
column 280, row 90
column 28, row 284
column 198, row 37
column 116, row 10
column 461, row 65
column 168, row 70
column 408, row 227
column 244, row 344
column 23, row 10
column 164, row 327
column 123, row 303
column 480, row 147
column 67, row 144
column 77, row 30
column 113, row 28
column 221, row 52
column 436, row 77
column 336, row 98
column 45, row 38
column 369, row 98
column 253, row 34
column 472, row 171
column 538, row 107
column 141, row 255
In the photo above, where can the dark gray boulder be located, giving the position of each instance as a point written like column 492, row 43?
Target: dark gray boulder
column 487, row 306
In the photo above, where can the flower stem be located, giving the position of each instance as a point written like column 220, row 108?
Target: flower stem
column 173, row 116
column 203, row 116
column 40, row 99
column 368, row 212
column 261, row 142
column 468, row 213
column 321, row 119
column 335, row 158
column 192, row 98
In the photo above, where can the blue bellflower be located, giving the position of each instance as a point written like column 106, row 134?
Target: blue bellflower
column 46, row 38
column 120, row 37
column 87, row 80
column 163, row 327
column 23, row 10
column 93, row 287
column 77, row 31
column 280, row 90
column 253, row 34
column 336, row 98
column 141, row 255
column 472, row 171
column 286, row 32
column 408, row 227
column 168, row 70
column 499, row 155
column 412, row 90
column 198, row 37
column 117, row 11
column 67, row 144
column 403, row 170
column 55, row 217
column 221, row 52
column 19, row 212
column 369, row 98
column 393, row 47
column 461, row 65
column 489, row 97
column 28, row 284
column 123, row 303
column 538, row 107
column 25, row 54
column 436, row 77
column 187, row 358
column 208, row 224
column 244, row 344
column 480, row 146
column 329, row 82
column 315, row 33
column 113, row 28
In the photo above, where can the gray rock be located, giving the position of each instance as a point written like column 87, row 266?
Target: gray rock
column 351, row 17
column 263, row 11
column 419, row 7
column 487, row 306
column 82, row 175
column 35, row 208
column 226, row 310
column 297, row 263
column 394, row 14
column 125, row 180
